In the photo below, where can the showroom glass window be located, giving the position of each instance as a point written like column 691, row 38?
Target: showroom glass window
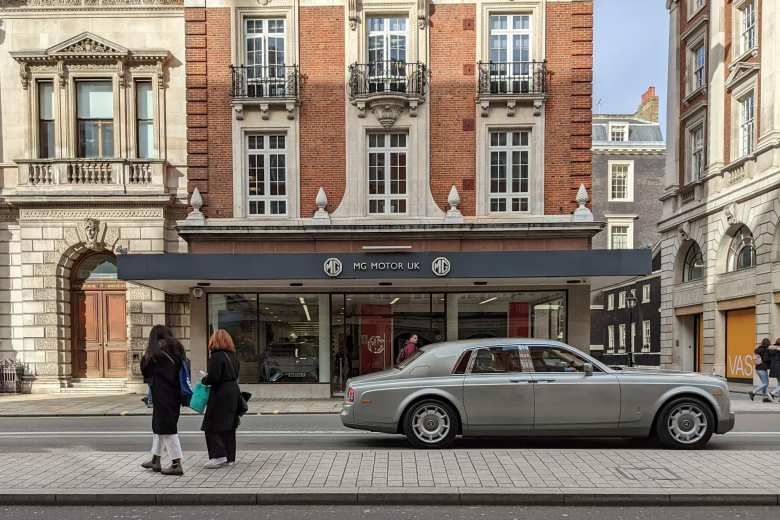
column 693, row 268
column 277, row 336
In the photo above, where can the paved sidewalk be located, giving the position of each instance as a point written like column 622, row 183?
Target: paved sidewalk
column 51, row 405
column 400, row 476
column 45, row 405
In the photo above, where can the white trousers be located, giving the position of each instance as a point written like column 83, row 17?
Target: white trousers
column 171, row 443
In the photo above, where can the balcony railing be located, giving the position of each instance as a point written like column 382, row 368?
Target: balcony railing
column 262, row 82
column 387, row 77
column 37, row 175
column 520, row 78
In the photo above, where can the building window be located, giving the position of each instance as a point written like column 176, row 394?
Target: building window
column 698, row 67
column 144, row 114
column 622, row 300
column 387, row 54
column 509, row 175
column 620, row 233
column 693, row 267
column 265, row 40
column 45, row 119
column 742, row 252
column 646, row 336
column 510, row 52
column 646, row 293
column 95, row 112
column 618, row 132
column 696, row 147
column 267, row 174
column 610, row 301
column 622, row 337
column 747, row 15
column 632, row 337
column 611, row 337
column 747, row 124
column 621, row 181
column 387, row 174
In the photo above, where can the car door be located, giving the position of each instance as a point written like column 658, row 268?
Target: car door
column 497, row 392
column 566, row 398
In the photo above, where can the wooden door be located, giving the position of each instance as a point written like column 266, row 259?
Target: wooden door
column 99, row 333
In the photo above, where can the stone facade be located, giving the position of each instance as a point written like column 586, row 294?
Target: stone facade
column 62, row 206
column 715, row 309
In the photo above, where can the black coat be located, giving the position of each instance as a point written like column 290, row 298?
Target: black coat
column 774, row 363
column 222, row 408
column 166, row 392
column 765, row 355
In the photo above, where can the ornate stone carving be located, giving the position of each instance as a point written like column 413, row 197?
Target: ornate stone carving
column 354, row 18
column 731, row 214
column 422, row 13
column 387, row 112
column 87, row 44
column 24, row 74
column 685, row 230
column 110, row 238
column 538, row 104
column 91, row 227
column 62, row 74
column 82, row 213
column 582, row 213
column 121, row 72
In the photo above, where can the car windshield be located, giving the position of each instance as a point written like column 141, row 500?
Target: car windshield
column 405, row 363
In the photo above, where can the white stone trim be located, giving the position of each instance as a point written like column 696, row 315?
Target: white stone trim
column 629, row 180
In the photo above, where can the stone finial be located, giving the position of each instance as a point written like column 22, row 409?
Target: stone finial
column 196, row 201
column 582, row 213
column 322, row 203
column 453, row 199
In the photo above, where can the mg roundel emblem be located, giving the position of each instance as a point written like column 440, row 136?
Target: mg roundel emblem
column 332, row 267
column 440, row 266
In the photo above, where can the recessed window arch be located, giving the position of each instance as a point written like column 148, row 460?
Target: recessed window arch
column 742, row 251
column 96, row 266
column 693, row 266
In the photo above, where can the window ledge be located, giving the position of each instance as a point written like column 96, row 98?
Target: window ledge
column 695, row 93
column 750, row 53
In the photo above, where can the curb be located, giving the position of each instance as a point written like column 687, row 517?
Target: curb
column 334, row 497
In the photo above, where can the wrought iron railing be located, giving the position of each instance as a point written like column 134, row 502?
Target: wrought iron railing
column 269, row 81
column 392, row 77
column 513, row 77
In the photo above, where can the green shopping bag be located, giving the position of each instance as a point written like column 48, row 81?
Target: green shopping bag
column 200, row 396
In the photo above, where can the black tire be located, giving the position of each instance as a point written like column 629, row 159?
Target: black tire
column 686, row 423
column 436, row 429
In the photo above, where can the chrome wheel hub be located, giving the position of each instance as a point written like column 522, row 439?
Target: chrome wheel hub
column 431, row 423
column 687, row 423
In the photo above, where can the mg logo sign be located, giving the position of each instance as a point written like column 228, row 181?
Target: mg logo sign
column 332, row 267
column 440, row 266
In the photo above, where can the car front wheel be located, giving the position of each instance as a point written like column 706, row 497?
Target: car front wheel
column 685, row 423
column 431, row 424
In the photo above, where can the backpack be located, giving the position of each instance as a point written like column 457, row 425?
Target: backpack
column 185, row 384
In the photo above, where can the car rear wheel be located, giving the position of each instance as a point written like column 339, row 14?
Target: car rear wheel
column 431, row 424
column 685, row 423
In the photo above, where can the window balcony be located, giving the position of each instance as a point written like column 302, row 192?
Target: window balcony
column 387, row 88
column 265, row 87
column 93, row 176
column 512, row 83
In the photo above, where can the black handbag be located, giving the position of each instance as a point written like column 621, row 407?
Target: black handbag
column 243, row 397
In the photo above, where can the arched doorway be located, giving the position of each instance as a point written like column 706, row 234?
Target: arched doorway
column 98, row 318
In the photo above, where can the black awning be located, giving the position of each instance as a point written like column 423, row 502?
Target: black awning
column 357, row 266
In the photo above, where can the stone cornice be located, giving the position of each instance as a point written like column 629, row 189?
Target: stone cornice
column 7, row 6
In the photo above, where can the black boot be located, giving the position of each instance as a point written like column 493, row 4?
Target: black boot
column 174, row 469
column 153, row 464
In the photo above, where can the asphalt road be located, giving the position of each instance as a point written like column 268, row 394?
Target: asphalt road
column 387, row 513
column 305, row 432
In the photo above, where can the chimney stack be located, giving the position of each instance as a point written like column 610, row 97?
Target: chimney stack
column 649, row 107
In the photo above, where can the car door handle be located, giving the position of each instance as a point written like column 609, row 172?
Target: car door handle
column 522, row 381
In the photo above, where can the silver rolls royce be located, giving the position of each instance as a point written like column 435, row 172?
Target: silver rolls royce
column 526, row 387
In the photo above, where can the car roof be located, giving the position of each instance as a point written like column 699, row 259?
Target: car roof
column 457, row 346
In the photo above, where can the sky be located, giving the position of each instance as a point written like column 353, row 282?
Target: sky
column 631, row 51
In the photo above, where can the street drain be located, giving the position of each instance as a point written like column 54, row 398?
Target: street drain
column 648, row 473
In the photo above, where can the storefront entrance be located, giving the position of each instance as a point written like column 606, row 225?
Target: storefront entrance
column 99, row 328
column 740, row 343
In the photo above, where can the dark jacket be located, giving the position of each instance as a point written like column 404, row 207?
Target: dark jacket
column 166, row 393
column 774, row 362
column 222, row 408
column 764, row 354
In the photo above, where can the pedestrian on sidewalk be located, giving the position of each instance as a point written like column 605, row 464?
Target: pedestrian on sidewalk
column 410, row 347
column 161, row 364
column 774, row 367
column 221, row 418
column 761, row 358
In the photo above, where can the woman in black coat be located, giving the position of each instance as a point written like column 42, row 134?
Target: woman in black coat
column 774, row 366
column 160, row 365
column 221, row 419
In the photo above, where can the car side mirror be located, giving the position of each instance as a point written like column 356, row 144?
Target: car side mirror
column 588, row 369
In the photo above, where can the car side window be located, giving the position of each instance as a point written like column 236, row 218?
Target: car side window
column 496, row 360
column 555, row 359
column 463, row 363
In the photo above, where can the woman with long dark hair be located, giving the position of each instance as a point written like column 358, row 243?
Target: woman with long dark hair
column 221, row 419
column 160, row 365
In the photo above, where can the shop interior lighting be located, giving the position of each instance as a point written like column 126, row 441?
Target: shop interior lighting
column 305, row 308
column 494, row 298
column 395, row 300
